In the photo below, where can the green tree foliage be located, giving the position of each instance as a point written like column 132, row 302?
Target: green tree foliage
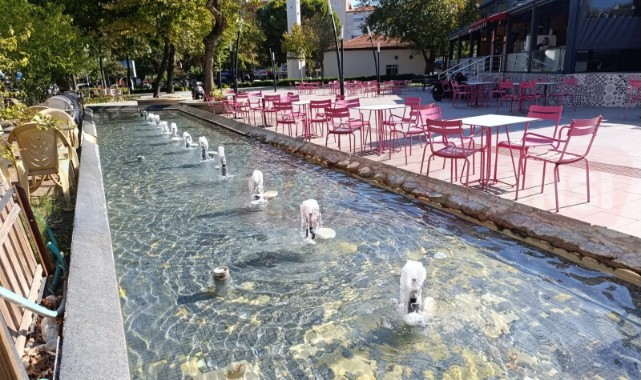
column 424, row 24
column 45, row 47
column 320, row 36
column 272, row 20
column 296, row 44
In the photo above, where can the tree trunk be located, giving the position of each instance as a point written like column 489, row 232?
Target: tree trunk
column 322, row 71
column 210, row 41
column 129, row 86
column 428, row 62
column 161, row 69
column 102, row 72
column 170, row 69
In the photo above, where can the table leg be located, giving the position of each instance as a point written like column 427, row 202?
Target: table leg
column 488, row 158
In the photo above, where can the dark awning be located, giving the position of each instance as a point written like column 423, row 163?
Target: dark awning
column 502, row 16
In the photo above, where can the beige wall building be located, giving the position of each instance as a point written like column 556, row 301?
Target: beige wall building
column 359, row 60
column 355, row 20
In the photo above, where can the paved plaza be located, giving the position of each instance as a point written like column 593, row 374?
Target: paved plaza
column 615, row 162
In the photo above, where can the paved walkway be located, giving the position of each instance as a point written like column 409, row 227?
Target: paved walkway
column 615, row 164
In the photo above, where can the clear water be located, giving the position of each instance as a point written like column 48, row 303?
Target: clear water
column 504, row 309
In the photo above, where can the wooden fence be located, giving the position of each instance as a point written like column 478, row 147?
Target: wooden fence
column 19, row 273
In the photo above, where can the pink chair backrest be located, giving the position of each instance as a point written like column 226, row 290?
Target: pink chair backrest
column 348, row 103
column 546, row 112
column 635, row 84
column 283, row 106
column 575, row 146
column 433, row 113
column 412, row 101
column 526, row 87
column 320, row 104
column 242, row 95
column 506, row 85
column 446, row 129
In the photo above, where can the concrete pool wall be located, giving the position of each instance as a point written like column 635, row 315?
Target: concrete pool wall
column 94, row 343
column 592, row 246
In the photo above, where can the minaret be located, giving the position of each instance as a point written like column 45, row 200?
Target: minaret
column 295, row 67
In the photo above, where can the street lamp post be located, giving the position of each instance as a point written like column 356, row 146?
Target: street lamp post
column 236, row 57
column 273, row 57
column 376, row 61
column 378, row 67
column 342, row 54
column 338, row 57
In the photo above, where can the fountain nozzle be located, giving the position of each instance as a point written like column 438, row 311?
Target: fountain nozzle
column 310, row 218
column 223, row 161
column 222, row 277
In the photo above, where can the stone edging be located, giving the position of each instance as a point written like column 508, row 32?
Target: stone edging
column 93, row 344
column 593, row 246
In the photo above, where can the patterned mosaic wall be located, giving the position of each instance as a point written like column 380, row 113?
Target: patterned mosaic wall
column 594, row 89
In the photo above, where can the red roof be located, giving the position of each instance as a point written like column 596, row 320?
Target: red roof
column 364, row 8
column 363, row 42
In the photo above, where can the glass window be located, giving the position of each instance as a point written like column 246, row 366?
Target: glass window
column 623, row 60
column 611, row 8
column 391, row 70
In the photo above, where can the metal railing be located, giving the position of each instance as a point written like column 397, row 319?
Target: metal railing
column 474, row 67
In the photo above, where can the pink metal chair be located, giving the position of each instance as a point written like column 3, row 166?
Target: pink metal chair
column 339, row 124
column 527, row 94
column 572, row 145
column 286, row 116
column 228, row 109
column 551, row 113
column 567, row 90
column 318, row 114
column 412, row 126
column 358, row 121
column 459, row 92
column 447, row 89
column 268, row 107
column 634, row 94
column 505, row 93
column 444, row 140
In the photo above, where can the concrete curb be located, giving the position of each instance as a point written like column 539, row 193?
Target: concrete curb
column 592, row 246
column 93, row 344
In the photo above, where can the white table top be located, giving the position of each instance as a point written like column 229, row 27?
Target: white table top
column 493, row 120
column 379, row 107
column 301, row 102
column 477, row 83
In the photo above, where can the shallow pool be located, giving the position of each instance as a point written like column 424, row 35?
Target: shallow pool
column 504, row 309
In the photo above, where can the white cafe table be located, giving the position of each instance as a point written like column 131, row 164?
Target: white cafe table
column 477, row 89
column 489, row 123
column 307, row 134
column 380, row 110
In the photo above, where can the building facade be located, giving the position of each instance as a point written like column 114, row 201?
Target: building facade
column 356, row 19
column 359, row 53
column 553, row 36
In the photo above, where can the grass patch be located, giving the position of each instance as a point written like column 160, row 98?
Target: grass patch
column 49, row 210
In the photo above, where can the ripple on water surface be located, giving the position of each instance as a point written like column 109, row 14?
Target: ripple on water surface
column 504, row 309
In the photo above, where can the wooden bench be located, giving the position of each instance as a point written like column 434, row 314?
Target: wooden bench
column 21, row 274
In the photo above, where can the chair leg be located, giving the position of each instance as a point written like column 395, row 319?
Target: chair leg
column 587, row 177
column 543, row 177
column 423, row 160
column 556, row 186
